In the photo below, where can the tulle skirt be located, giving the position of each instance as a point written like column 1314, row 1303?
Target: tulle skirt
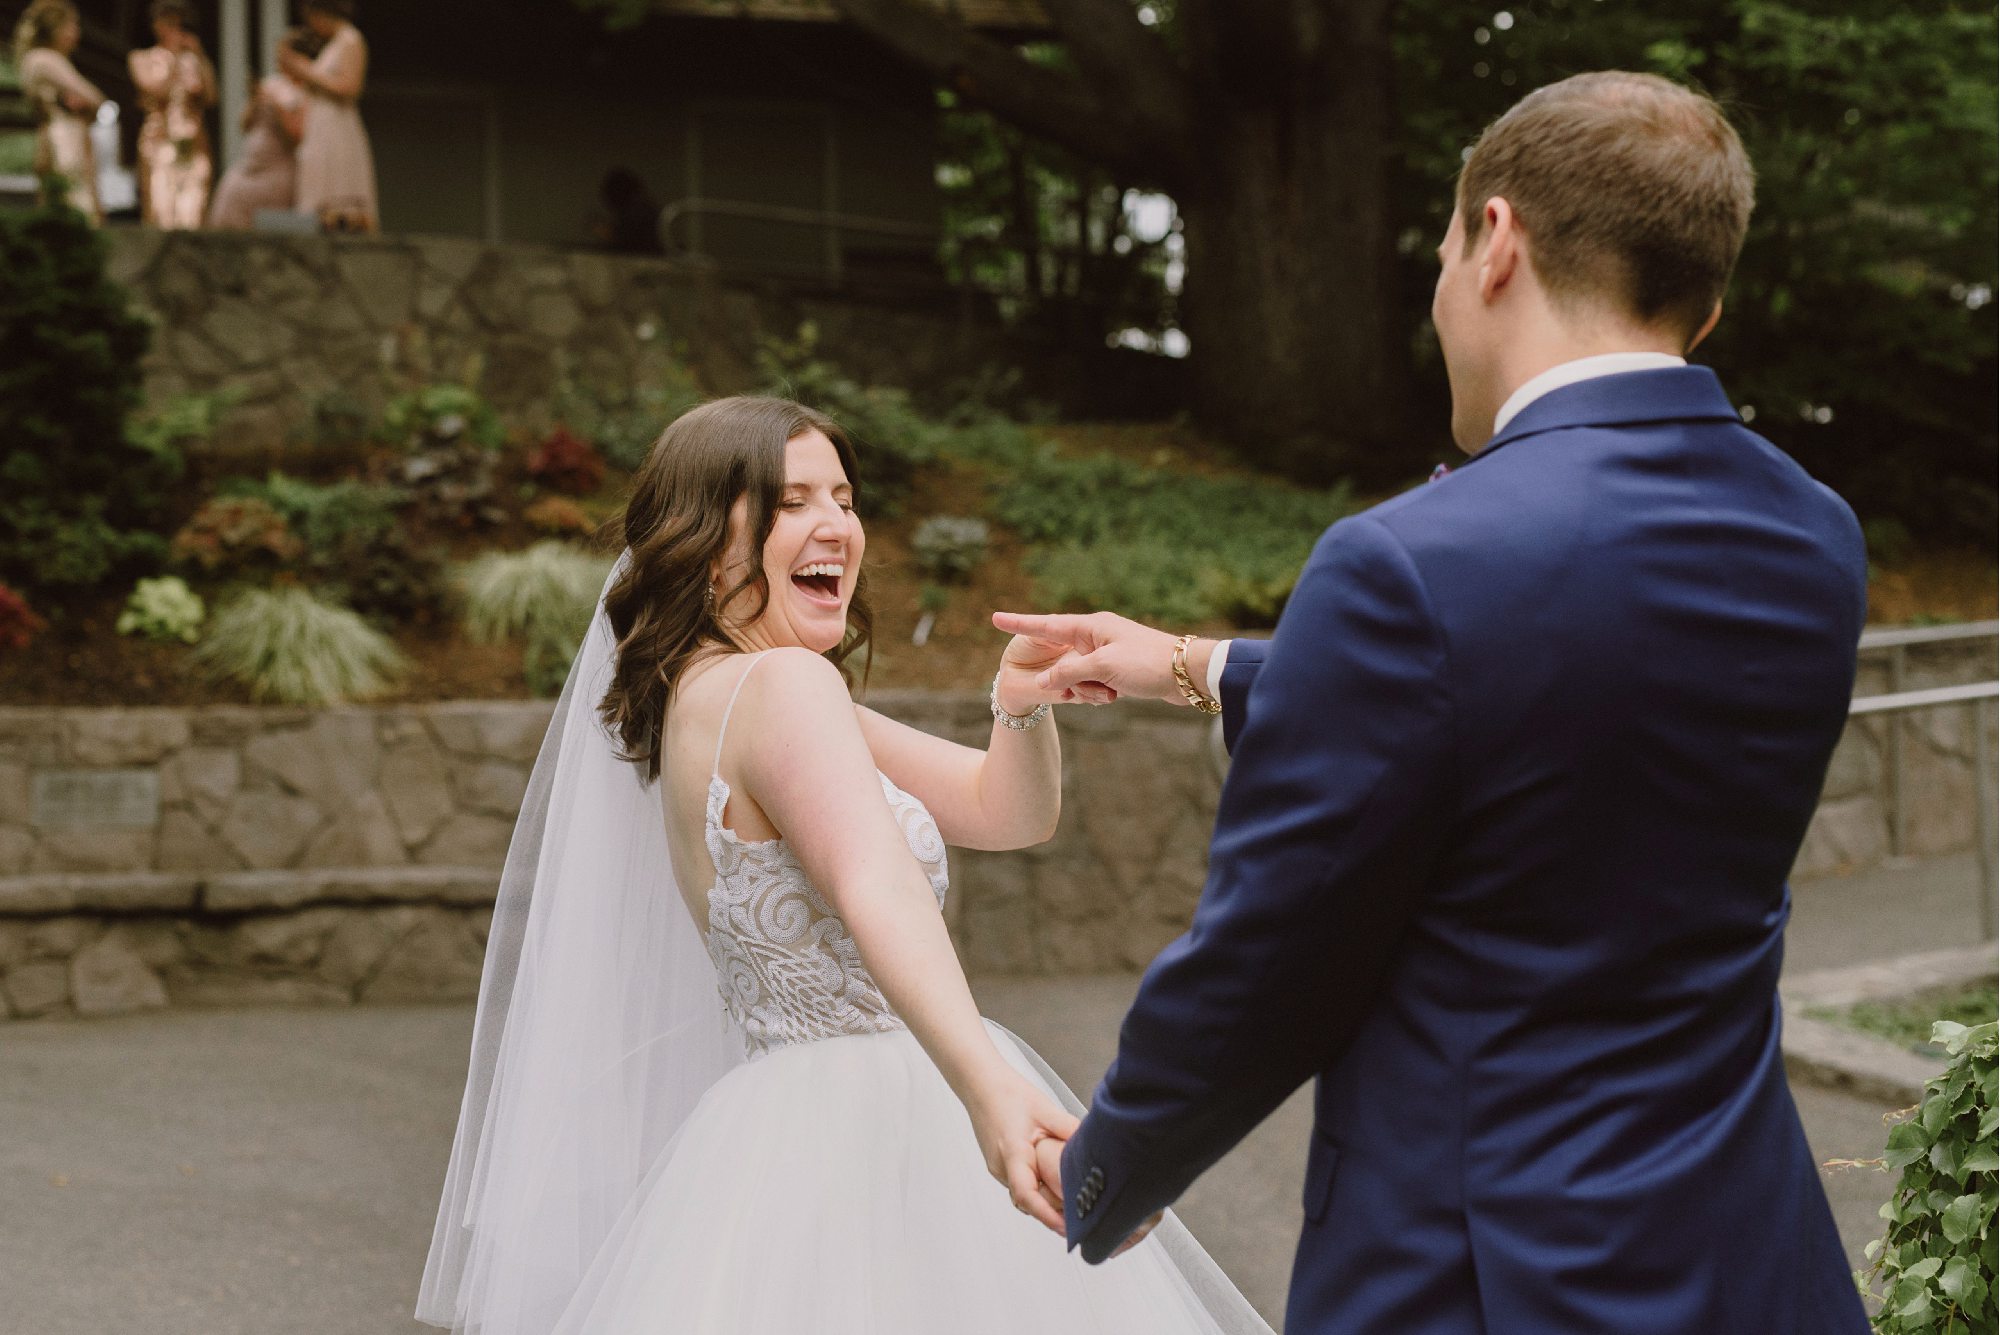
column 835, row 1188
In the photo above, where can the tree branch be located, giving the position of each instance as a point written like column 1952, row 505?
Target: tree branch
column 1062, row 108
column 1117, row 52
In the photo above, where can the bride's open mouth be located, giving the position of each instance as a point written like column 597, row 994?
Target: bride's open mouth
column 819, row 583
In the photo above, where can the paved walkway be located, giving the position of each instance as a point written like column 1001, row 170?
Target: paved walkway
column 210, row 1173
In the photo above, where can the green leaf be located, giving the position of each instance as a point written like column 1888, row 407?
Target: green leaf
column 1925, row 1268
column 1961, row 1282
column 1984, row 1158
column 1946, row 1156
column 1907, row 1144
column 1961, row 1219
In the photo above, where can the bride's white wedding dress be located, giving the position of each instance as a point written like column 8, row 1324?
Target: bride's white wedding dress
column 831, row 1184
column 721, row 1127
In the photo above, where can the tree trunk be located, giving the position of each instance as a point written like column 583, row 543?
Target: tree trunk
column 1271, row 130
column 1291, row 302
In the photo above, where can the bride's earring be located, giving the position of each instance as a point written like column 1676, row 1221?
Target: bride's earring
column 708, row 598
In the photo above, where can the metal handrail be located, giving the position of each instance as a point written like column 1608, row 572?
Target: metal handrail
column 832, row 222
column 1937, row 695
column 1979, row 696
column 1965, row 630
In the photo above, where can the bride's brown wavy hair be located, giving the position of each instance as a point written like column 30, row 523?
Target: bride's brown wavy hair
column 677, row 529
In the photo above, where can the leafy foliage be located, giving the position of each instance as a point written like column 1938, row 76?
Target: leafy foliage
column 1154, row 543
column 949, row 548
column 354, row 548
column 452, row 482
column 1909, row 1022
column 18, row 623
column 80, row 497
column 443, row 413
column 626, row 430
column 543, row 597
column 892, row 437
column 568, row 463
column 332, row 519
column 289, row 645
column 1934, row 1268
column 1046, row 232
column 163, row 609
column 236, row 533
column 1858, row 327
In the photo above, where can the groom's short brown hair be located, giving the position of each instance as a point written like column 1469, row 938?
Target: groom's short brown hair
column 1630, row 188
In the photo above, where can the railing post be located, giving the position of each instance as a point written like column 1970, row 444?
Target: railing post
column 1899, row 824
column 1984, row 817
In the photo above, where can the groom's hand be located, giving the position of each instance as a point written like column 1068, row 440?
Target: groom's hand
column 1109, row 651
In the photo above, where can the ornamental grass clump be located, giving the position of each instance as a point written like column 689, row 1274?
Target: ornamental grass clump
column 543, row 596
column 163, row 609
column 291, row 646
column 1934, row 1270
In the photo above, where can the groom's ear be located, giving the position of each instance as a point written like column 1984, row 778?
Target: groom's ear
column 1707, row 327
column 1500, row 248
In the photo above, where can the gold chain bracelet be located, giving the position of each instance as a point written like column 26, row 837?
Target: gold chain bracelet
column 1195, row 696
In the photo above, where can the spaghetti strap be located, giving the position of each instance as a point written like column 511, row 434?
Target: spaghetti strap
column 715, row 769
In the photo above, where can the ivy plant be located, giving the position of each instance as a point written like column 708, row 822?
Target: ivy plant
column 1933, row 1270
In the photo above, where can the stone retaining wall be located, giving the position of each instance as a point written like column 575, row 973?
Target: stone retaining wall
column 287, row 322
column 240, row 855
column 1852, row 830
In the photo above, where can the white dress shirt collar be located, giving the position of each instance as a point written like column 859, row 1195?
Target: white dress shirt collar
column 1583, row 368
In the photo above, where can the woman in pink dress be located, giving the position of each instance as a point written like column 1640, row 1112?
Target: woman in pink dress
column 176, row 85
column 336, row 166
column 265, row 173
column 65, row 102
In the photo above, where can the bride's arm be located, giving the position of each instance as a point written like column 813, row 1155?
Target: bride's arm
column 805, row 762
column 1007, row 796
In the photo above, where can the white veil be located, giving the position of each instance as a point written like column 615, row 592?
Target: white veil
column 599, row 1027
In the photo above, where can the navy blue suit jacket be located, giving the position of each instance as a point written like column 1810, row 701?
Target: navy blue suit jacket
column 1501, row 861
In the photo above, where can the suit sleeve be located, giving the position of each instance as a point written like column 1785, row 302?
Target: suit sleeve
column 1323, row 843
column 1245, row 657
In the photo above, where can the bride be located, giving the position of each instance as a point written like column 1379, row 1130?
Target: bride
column 727, row 1076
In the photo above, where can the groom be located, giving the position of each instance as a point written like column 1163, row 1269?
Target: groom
column 1516, row 785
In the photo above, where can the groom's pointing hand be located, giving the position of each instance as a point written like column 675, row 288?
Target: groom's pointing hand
column 1109, row 650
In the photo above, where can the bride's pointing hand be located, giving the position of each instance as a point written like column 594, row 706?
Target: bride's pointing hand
column 1010, row 1120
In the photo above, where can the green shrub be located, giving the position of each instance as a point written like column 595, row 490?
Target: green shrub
column 892, row 437
column 80, row 499
column 354, row 547
column 163, row 609
column 543, row 596
column 332, row 519
column 949, row 548
column 1157, row 544
column 443, row 413
column 184, row 420
column 291, row 646
column 1933, row 1269
column 625, row 431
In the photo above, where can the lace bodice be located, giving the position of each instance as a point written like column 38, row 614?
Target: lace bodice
column 788, row 968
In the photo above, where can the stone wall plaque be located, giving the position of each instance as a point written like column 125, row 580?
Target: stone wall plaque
column 123, row 799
